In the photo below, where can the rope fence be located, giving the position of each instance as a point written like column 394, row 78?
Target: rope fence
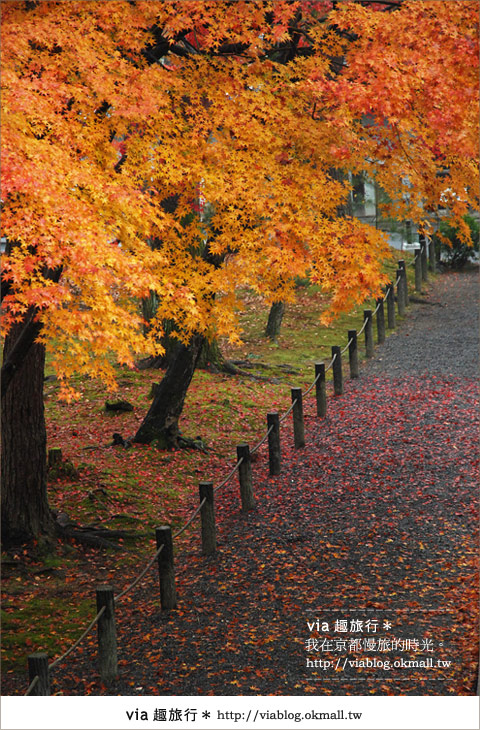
column 36, row 679
column 192, row 518
column 139, row 577
column 229, row 475
column 106, row 600
column 342, row 352
column 287, row 412
column 260, row 443
column 311, row 387
column 74, row 646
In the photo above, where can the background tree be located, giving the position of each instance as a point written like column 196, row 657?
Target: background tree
column 274, row 322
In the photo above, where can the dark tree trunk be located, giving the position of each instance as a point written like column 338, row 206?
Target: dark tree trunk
column 170, row 345
column 161, row 421
column 19, row 345
column 274, row 323
column 210, row 355
column 25, row 510
column 149, row 309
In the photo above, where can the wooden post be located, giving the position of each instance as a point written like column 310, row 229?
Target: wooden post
column 320, row 390
column 207, row 513
column 353, row 353
column 380, row 321
column 418, row 270
column 337, row 370
column 38, row 667
column 423, row 249
column 297, row 413
column 367, row 316
column 403, row 267
column 107, row 637
column 400, row 294
column 391, row 306
column 54, row 457
column 274, row 457
column 166, row 573
column 245, row 477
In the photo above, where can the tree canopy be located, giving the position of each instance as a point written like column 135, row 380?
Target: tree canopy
column 190, row 148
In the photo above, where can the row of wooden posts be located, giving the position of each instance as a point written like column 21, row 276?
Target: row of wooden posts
column 105, row 600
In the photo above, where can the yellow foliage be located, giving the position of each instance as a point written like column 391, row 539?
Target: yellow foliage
column 213, row 168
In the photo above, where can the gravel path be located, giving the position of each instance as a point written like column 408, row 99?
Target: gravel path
column 443, row 333
column 373, row 522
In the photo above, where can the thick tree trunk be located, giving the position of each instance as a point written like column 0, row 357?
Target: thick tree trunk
column 274, row 323
column 149, row 309
column 161, row 422
column 210, row 355
column 25, row 511
column 170, row 345
column 18, row 347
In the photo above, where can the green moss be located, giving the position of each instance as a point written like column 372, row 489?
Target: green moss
column 25, row 628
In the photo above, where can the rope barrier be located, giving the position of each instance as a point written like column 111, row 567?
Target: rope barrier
column 412, row 262
column 32, row 685
column 255, row 448
column 363, row 327
column 139, row 578
column 311, row 387
column 377, row 307
column 87, row 630
column 331, row 362
column 346, row 346
column 287, row 413
column 187, row 524
column 230, row 475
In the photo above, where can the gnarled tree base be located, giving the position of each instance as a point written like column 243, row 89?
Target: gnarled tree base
column 161, row 422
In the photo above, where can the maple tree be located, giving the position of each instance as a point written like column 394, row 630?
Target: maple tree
column 125, row 122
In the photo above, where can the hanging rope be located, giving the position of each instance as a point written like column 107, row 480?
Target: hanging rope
column 230, row 475
column 347, row 346
column 32, row 685
column 87, row 630
column 287, row 413
column 182, row 529
column 312, row 386
column 139, row 578
column 255, row 448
